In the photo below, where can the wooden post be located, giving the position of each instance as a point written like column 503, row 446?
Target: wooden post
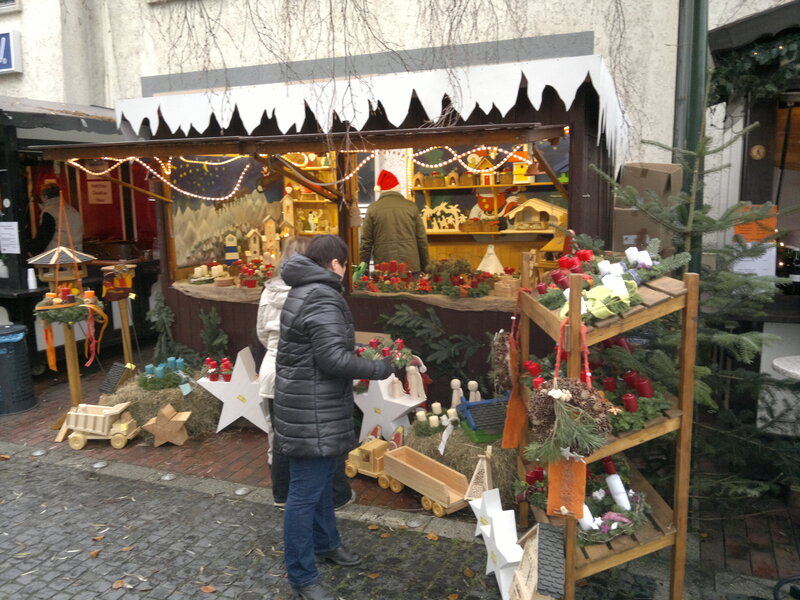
column 73, row 372
column 683, row 451
column 125, row 329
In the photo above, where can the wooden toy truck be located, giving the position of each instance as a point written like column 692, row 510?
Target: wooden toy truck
column 442, row 488
column 93, row 422
column 368, row 459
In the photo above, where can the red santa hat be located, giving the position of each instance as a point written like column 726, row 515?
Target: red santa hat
column 386, row 181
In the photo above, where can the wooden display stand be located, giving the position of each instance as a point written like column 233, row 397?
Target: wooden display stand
column 667, row 526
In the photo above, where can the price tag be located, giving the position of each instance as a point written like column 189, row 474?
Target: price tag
column 185, row 388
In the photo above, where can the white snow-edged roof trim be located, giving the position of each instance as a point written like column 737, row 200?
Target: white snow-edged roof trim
column 467, row 87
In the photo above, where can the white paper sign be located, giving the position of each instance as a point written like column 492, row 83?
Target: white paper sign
column 9, row 237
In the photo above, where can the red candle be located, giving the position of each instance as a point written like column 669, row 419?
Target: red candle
column 630, row 402
column 534, row 475
column 609, row 466
column 586, row 377
column 631, row 378
column 644, row 388
column 541, row 287
column 566, row 262
column 537, row 381
column 64, row 293
column 610, row 384
column 576, row 269
column 563, row 283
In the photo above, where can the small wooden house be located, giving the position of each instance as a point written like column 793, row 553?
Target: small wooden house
column 419, row 180
column 253, row 238
column 452, row 178
column 487, row 178
column 535, row 213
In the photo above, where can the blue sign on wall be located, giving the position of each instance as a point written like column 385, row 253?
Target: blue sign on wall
column 10, row 57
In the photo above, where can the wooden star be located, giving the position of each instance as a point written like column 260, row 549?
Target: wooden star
column 614, row 410
column 168, row 425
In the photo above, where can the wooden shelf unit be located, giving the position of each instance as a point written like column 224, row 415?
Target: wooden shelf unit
column 667, row 526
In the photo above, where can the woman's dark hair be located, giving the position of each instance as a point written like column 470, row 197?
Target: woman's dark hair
column 324, row 248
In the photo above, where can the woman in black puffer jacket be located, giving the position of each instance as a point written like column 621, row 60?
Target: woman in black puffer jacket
column 315, row 368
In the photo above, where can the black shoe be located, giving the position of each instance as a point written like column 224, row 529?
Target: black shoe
column 313, row 592
column 341, row 557
column 347, row 502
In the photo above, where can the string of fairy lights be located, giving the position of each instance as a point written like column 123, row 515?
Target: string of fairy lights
column 301, row 160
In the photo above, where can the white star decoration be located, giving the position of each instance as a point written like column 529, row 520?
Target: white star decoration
column 239, row 396
column 488, row 503
column 380, row 408
column 500, row 537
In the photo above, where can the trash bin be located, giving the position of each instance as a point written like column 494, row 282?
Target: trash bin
column 16, row 386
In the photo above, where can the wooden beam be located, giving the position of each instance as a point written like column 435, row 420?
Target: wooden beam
column 364, row 141
column 550, row 173
column 287, row 169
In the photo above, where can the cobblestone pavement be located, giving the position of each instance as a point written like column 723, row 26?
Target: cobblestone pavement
column 168, row 542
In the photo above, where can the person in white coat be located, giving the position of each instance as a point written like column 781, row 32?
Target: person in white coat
column 268, row 329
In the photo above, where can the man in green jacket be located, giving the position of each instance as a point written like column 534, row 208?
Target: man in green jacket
column 393, row 228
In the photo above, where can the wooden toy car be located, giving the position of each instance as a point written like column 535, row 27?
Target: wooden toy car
column 93, row 422
column 442, row 488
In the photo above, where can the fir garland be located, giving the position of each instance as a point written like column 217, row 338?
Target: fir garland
column 762, row 69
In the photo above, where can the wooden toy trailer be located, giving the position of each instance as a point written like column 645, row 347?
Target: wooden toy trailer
column 93, row 422
column 442, row 488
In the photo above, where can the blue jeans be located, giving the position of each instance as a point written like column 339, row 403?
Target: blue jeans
column 309, row 523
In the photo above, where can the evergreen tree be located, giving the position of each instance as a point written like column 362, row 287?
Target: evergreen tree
column 162, row 318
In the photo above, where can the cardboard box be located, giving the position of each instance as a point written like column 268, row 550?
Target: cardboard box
column 632, row 227
column 665, row 179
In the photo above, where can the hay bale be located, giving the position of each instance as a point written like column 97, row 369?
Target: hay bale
column 146, row 404
column 461, row 454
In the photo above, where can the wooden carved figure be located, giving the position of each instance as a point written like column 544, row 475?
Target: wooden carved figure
column 395, row 387
column 455, row 385
column 419, row 180
column 474, row 394
column 416, row 389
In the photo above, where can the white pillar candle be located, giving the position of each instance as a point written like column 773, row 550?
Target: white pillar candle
column 421, row 416
column 618, row 492
column 587, row 520
column 632, row 254
column 198, row 272
column 452, row 413
column 644, row 258
column 616, row 269
column 204, row 270
column 436, row 407
column 433, row 421
column 616, row 284
column 604, row 266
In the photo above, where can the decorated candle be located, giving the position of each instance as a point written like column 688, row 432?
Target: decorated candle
column 630, row 402
column 433, row 421
column 644, row 387
column 149, row 369
column 452, row 413
column 88, row 294
column 64, row 292
column 436, row 407
column 616, row 284
column 631, row 378
column 610, row 384
column 181, row 364
column 632, row 254
column 421, row 416
column 541, row 287
column 634, row 274
column 615, row 485
column 171, row 362
column 587, row 520
column 643, row 258
column 604, row 267
column 160, row 371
